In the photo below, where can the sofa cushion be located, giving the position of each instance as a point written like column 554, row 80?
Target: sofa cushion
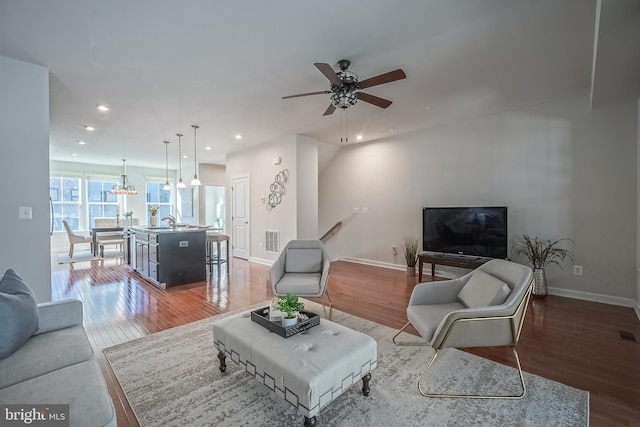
column 45, row 353
column 303, row 260
column 483, row 290
column 18, row 313
column 81, row 386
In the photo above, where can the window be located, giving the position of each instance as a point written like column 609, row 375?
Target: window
column 101, row 203
column 65, row 197
column 157, row 196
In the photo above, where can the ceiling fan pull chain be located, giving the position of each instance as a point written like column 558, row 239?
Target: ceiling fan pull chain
column 346, row 125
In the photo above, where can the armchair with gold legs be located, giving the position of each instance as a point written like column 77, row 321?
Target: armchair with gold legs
column 485, row 308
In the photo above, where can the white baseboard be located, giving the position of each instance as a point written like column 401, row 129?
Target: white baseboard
column 590, row 296
column 266, row 262
column 637, row 309
column 374, row 263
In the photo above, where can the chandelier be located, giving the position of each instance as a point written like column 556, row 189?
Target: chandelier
column 124, row 187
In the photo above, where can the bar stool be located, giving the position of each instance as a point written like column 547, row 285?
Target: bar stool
column 218, row 239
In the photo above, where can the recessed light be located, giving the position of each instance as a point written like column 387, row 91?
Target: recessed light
column 359, row 137
column 185, row 157
column 207, row 148
column 74, row 154
column 102, row 107
column 89, row 128
column 238, row 136
column 81, row 142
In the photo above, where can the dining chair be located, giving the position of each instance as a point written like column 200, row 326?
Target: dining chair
column 75, row 238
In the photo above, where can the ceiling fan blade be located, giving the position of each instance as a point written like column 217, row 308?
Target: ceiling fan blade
column 307, row 94
column 391, row 76
column 328, row 73
column 330, row 110
column 375, row 100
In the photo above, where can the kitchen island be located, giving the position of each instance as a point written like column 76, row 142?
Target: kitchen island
column 167, row 256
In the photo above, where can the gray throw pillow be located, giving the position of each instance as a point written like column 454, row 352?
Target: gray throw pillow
column 18, row 313
column 483, row 290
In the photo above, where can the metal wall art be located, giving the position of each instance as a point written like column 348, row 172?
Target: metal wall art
column 278, row 189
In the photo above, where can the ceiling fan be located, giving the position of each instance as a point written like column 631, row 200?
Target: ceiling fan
column 345, row 87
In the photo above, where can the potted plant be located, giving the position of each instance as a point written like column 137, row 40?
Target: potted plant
column 541, row 253
column 128, row 217
column 153, row 210
column 290, row 306
column 410, row 249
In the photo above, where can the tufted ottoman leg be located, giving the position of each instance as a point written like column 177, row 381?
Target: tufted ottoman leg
column 365, row 384
column 222, row 358
column 310, row 422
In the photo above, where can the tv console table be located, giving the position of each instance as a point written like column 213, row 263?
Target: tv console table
column 434, row 258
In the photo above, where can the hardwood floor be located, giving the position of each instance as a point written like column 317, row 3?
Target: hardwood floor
column 570, row 341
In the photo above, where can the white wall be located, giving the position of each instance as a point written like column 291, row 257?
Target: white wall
column 307, row 188
column 24, row 173
column 562, row 170
column 285, row 217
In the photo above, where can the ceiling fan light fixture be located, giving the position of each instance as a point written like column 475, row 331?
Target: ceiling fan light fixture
column 344, row 99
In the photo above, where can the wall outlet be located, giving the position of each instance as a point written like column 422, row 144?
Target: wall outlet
column 365, row 210
column 184, row 244
column 577, row 270
column 356, row 210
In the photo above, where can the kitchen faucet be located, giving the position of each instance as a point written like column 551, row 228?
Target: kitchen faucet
column 171, row 220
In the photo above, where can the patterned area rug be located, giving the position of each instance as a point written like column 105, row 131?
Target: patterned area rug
column 171, row 378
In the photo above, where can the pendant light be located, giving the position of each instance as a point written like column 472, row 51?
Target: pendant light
column 124, row 187
column 181, row 183
column 195, row 181
column 167, row 186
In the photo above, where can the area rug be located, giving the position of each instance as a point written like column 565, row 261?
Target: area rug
column 83, row 256
column 171, row 378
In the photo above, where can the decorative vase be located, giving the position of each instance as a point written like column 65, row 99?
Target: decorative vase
column 539, row 283
column 411, row 271
column 289, row 322
column 154, row 220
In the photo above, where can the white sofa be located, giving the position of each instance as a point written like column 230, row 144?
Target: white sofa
column 56, row 366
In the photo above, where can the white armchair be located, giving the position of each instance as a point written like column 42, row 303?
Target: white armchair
column 302, row 269
column 485, row 308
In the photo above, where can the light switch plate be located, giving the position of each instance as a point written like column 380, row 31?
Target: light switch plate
column 25, row 212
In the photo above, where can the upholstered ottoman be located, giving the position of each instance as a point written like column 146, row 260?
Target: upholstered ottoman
column 308, row 370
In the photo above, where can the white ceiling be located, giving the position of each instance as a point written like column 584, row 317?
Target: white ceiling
column 162, row 65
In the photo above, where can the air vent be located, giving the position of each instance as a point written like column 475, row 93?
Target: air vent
column 272, row 241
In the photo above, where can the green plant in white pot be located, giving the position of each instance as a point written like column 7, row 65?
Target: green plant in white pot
column 540, row 254
column 290, row 306
column 410, row 247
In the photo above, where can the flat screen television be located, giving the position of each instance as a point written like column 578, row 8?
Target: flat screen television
column 474, row 231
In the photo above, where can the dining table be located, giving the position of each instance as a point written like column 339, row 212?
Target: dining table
column 95, row 231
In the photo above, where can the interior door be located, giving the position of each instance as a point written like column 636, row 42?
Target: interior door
column 241, row 230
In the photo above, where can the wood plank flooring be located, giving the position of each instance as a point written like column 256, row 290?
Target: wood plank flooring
column 571, row 341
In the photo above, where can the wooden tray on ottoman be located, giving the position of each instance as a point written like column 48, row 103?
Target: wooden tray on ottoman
column 261, row 317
